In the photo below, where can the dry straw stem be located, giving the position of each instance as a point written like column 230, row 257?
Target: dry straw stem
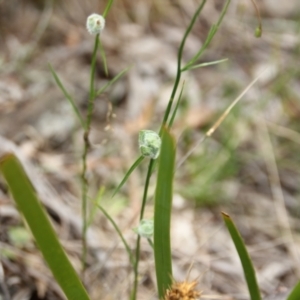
column 284, row 132
column 231, row 106
column 220, row 120
column 274, row 179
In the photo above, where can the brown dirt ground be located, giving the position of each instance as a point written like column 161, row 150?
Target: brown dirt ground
column 249, row 168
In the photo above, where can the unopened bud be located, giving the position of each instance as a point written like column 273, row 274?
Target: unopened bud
column 95, row 23
column 149, row 143
column 145, row 228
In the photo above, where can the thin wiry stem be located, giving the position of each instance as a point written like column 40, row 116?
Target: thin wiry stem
column 138, row 241
column 179, row 58
column 84, row 180
column 164, row 122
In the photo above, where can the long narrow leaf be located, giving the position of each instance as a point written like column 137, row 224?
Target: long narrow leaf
column 162, row 213
column 68, row 96
column 192, row 67
column 114, row 224
column 102, row 52
column 248, row 268
column 117, row 77
column 176, row 107
column 213, row 30
column 295, row 293
column 46, row 239
column 94, row 206
column 131, row 169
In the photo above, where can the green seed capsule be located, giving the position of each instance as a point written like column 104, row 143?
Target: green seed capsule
column 149, row 143
column 258, row 32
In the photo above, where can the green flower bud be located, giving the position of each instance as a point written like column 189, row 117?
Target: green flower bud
column 149, row 143
column 95, row 23
column 258, row 32
column 145, row 229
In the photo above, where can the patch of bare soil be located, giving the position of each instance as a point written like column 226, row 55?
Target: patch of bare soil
column 249, row 168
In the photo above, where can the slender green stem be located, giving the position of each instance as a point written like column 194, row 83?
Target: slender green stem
column 114, row 224
column 165, row 119
column 179, row 58
column 213, row 30
column 136, row 268
column 86, row 148
column 107, row 8
column 150, row 167
column 102, row 52
column 138, row 241
column 84, row 191
column 92, row 84
column 176, row 108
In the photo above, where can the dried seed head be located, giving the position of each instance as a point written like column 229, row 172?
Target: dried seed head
column 95, row 23
column 183, row 291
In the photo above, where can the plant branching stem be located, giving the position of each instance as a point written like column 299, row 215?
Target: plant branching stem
column 179, row 71
column 86, row 148
column 137, row 248
column 164, row 122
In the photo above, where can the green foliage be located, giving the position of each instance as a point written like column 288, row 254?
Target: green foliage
column 176, row 108
column 179, row 58
column 112, row 81
column 213, row 30
column 68, row 96
column 131, row 169
column 41, row 228
column 211, row 63
column 204, row 177
column 248, row 268
column 107, row 8
column 114, row 224
column 162, row 213
column 295, row 293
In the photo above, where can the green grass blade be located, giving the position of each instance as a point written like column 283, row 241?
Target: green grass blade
column 107, row 8
column 213, row 30
column 45, row 236
column 176, row 108
column 111, row 220
column 295, row 293
column 95, row 203
column 117, row 77
column 68, row 96
column 131, row 169
column 205, row 64
column 248, row 268
column 162, row 213
column 150, row 243
column 102, row 52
